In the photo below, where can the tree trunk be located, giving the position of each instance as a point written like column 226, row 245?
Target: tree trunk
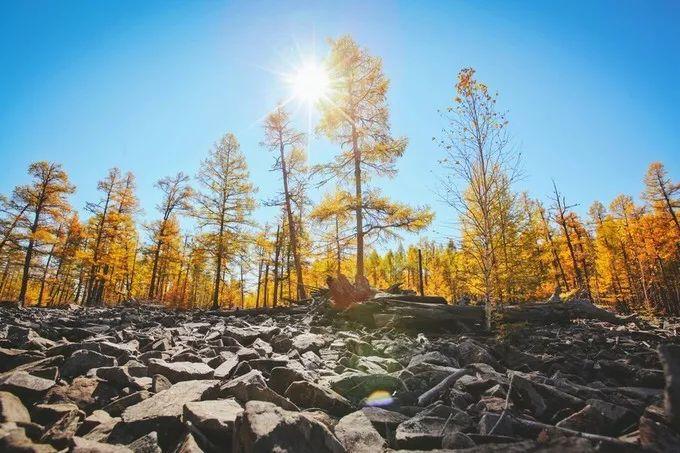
column 29, row 256
column 154, row 267
column 265, row 295
column 218, row 268
column 358, row 209
column 259, row 282
column 277, row 251
column 301, row 293
column 44, row 275
column 420, row 273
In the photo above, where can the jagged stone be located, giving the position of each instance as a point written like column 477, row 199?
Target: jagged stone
column 83, row 360
column 670, row 359
column 281, row 377
column 148, row 443
column 308, row 395
column 27, row 387
column 214, row 418
column 13, row 439
column 228, row 363
column 168, row 403
column 308, row 342
column 357, row 434
column 48, row 414
column 266, row 427
column 82, row 445
column 180, row 371
column 12, row 409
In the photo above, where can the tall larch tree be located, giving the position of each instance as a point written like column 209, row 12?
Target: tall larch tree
column 662, row 193
column 46, row 199
column 356, row 116
column 224, row 204
column 176, row 196
column 281, row 138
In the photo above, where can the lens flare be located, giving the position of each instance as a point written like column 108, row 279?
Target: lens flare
column 379, row 398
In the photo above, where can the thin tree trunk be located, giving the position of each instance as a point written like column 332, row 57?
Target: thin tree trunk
column 291, row 226
column 358, row 209
column 277, row 251
column 29, row 254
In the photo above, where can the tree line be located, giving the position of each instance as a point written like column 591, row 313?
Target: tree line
column 511, row 248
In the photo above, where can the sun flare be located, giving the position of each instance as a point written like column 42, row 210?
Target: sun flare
column 310, row 83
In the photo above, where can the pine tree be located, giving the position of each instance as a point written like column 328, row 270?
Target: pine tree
column 223, row 206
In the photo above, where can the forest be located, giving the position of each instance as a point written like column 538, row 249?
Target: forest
column 510, row 246
column 334, row 323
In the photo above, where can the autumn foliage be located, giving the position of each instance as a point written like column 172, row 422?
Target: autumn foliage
column 203, row 249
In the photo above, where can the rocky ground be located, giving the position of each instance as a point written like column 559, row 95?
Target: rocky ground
column 147, row 380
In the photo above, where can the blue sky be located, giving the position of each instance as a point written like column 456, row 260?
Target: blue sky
column 591, row 87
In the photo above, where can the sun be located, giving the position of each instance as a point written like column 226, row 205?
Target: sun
column 310, row 82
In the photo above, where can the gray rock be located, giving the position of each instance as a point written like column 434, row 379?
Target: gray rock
column 495, row 424
column 180, row 371
column 115, row 375
column 84, row 360
column 308, row 342
column 49, row 413
column 214, row 418
column 433, row 357
column 471, row 352
column 670, row 359
column 148, row 443
column 384, row 421
column 281, row 343
column 13, row 439
column 116, row 407
column 160, row 383
column 188, row 445
column 357, row 434
column 12, row 409
column 308, row 395
column 228, row 362
column 252, row 386
column 27, row 387
column 281, row 377
column 265, row 427
column 262, row 347
column 168, row 403
column 82, row 445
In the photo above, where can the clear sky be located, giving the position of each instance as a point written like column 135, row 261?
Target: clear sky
column 591, row 87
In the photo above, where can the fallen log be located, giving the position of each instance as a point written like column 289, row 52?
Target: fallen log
column 412, row 298
column 557, row 312
column 406, row 314
column 435, row 392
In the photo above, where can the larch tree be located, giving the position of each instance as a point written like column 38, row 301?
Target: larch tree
column 176, row 196
column 356, row 116
column 224, row 204
column 661, row 192
column 46, row 199
column 281, row 138
column 111, row 229
column 13, row 214
column 480, row 164
column 561, row 214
